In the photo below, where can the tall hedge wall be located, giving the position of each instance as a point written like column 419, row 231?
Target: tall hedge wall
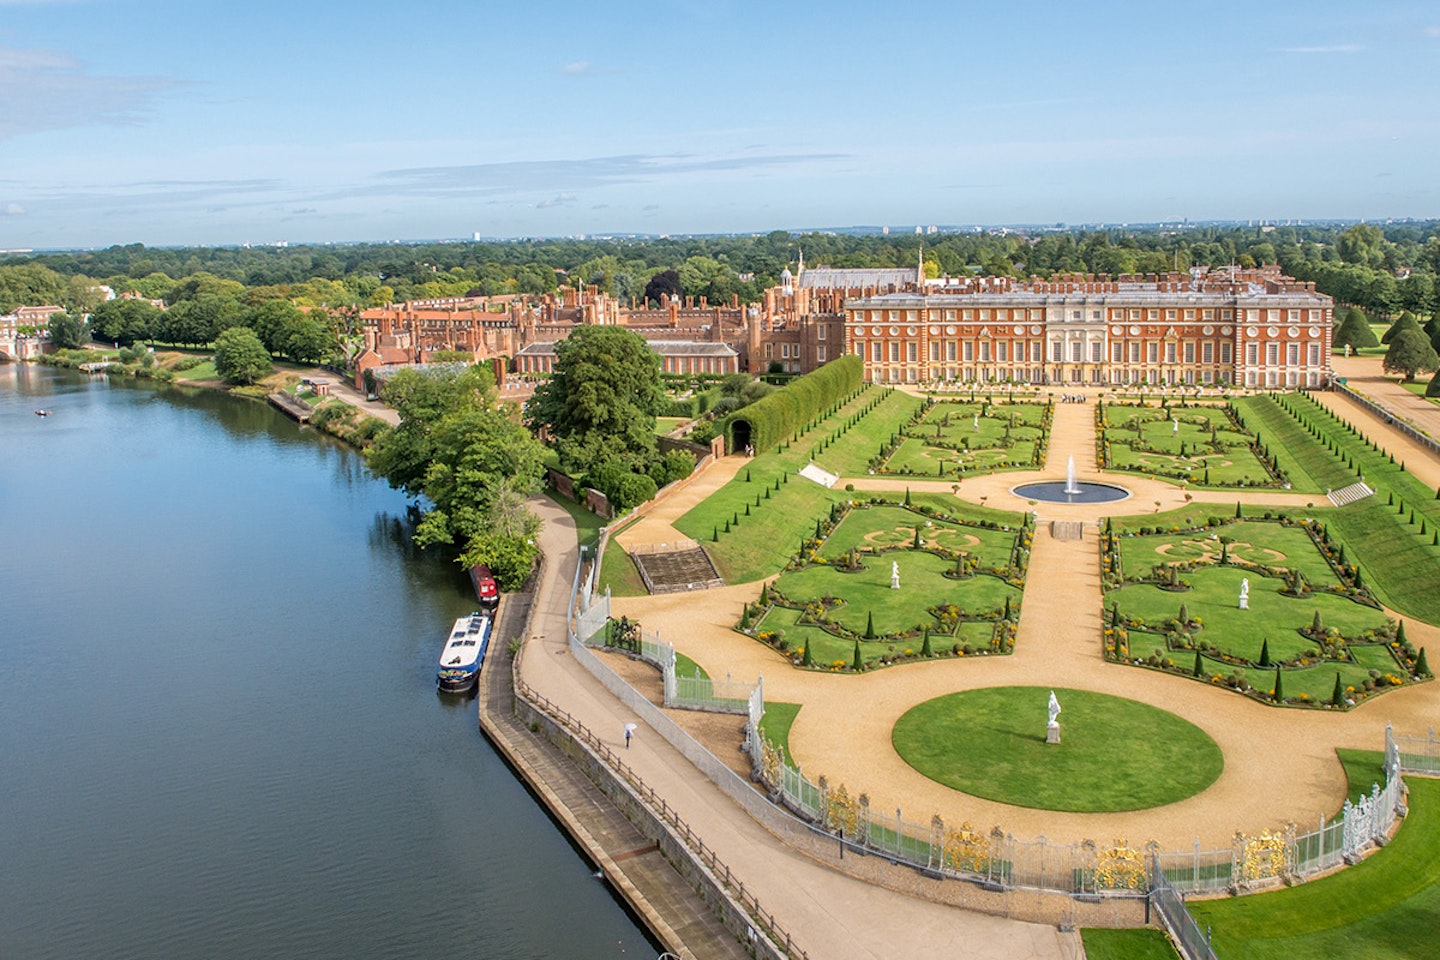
column 775, row 417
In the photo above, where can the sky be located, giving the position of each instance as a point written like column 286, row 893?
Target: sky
column 170, row 123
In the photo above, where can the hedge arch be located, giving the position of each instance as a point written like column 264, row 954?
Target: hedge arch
column 770, row 420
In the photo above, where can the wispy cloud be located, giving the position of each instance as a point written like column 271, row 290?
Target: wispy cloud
column 568, row 176
column 12, row 210
column 560, row 200
column 46, row 89
column 1331, row 48
column 578, row 69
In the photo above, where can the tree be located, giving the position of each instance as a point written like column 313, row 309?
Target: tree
column 240, row 357
column 124, row 321
column 67, row 331
column 469, row 458
column 663, row 285
column 1406, row 321
column 1355, row 330
column 599, row 403
column 1433, row 390
column 1337, row 696
column 1410, row 353
column 1279, row 689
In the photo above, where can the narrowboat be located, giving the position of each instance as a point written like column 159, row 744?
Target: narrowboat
column 463, row 653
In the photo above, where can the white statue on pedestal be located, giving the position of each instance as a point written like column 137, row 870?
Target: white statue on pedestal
column 1174, row 425
column 1245, row 594
column 1052, row 729
column 894, row 575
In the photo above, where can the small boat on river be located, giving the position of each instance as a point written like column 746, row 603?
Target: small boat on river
column 463, row 653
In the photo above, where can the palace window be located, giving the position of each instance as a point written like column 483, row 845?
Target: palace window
column 894, row 352
column 1292, row 354
column 1117, row 353
column 1207, row 352
column 1152, row 352
column 912, row 351
column 967, row 351
column 1225, row 354
column 1314, row 354
column 1189, row 353
column 1097, row 352
column 820, row 332
column 820, row 354
column 1252, row 354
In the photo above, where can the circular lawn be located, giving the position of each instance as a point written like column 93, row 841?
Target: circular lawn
column 1115, row 754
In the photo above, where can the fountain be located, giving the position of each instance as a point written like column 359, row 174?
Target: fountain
column 1070, row 488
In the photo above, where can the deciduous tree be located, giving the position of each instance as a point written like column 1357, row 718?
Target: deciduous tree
column 240, row 357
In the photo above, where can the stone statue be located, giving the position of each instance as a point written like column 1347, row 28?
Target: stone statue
column 1245, row 594
column 1052, row 729
column 1174, row 425
column 894, row 575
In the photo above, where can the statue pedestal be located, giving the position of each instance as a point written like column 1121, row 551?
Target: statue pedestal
column 1244, row 603
column 1052, row 733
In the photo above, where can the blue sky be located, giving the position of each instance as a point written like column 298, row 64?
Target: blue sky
column 258, row 121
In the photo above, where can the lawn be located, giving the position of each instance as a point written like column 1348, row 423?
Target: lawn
column 776, row 723
column 763, row 536
column 1383, row 533
column 829, row 650
column 1200, row 445
column 1386, row 907
column 618, row 573
column 1115, row 754
column 952, row 439
column 1146, row 944
column 203, row 371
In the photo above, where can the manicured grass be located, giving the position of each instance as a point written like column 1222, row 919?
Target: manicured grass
column 890, row 526
column 828, row 650
column 1386, row 907
column 1102, row 943
column 618, row 573
column 955, row 438
column 685, row 667
column 764, row 541
column 1311, row 468
column 1198, row 444
column 1396, row 559
column 1115, row 754
column 1271, row 544
column 664, row 425
column 776, row 723
column 1213, row 598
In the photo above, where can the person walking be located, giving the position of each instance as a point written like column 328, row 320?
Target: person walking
column 629, row 732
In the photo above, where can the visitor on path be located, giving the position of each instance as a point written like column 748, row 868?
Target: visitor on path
column 629, row 732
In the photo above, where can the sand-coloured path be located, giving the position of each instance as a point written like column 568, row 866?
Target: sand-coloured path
column 1280, row 763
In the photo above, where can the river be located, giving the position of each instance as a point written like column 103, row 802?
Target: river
column 219, row 729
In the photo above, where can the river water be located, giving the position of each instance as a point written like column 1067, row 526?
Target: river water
column 219, row 731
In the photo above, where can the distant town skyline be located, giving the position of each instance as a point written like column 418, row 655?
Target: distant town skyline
column 167, row 123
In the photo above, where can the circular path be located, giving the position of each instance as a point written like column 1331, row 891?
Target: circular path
column 1280, row 764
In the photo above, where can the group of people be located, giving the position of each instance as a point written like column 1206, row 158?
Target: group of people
column 1072, row 398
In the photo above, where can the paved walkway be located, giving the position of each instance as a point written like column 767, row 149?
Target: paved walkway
column 828, row 914
column 1366, row 375
column 1280, row 764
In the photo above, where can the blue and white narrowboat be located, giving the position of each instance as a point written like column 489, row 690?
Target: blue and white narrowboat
column 463, row 653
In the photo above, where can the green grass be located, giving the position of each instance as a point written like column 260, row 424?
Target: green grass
column 776, row 723
column 828, row 650
column 1116, row 754
column 1397, row 561
column 685, row 667
column 954, row 438
column 618, row 573
column 1311, row 468
column 765, row 540
column 1144, row 944
column 1182, row 446
column 1386, row 907
column 204, row 371
column 1240, row 633
column 664, row 425
column 894, row 526
column 1271, row 544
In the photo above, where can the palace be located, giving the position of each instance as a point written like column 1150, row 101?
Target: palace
column 1250, row 328
column 1253, row 328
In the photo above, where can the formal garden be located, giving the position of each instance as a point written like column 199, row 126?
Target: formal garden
column 1204, row 445
column 880, row 582
column 1269, row 606
column 954, row 439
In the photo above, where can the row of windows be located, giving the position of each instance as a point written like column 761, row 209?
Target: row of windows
column 1002, row 314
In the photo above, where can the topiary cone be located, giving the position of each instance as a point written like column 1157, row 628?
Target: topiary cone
column 805, row 659
column 1422, row 669
column 1279, row 690
column 1337, row 698
column 1265, row 653
column 858, row 665
column 869, row 628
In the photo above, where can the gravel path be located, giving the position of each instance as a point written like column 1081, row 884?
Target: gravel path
column 1279, row 764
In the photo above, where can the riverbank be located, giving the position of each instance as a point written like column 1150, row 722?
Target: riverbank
column 338, row 413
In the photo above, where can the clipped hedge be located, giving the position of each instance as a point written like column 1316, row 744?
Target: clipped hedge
column 776, row 416
column 691, row 407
